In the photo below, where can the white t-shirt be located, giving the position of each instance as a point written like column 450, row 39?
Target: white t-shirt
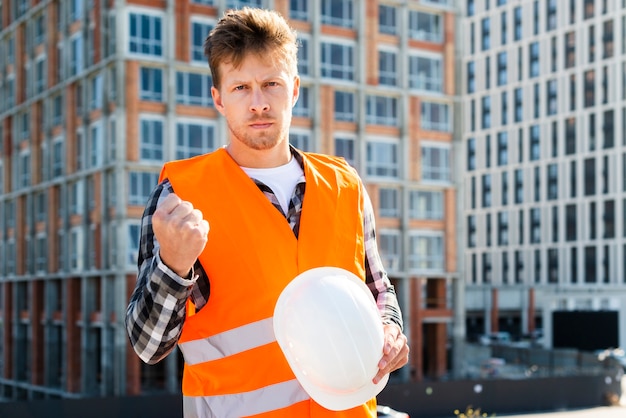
column 282, row 180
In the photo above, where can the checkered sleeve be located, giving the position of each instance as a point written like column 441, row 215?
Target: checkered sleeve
column 156, row 311
column 375, row 274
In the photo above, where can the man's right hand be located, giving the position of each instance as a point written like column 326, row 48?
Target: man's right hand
column 181, row 232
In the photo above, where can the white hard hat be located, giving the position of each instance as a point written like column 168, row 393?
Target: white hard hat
column 329, row 328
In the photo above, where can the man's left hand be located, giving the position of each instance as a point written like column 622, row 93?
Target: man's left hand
column 395, row 351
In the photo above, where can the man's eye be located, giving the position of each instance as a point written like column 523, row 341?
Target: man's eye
column 272, row 83
column 239, row 87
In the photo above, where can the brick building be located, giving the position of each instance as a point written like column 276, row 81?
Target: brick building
column 96, row 95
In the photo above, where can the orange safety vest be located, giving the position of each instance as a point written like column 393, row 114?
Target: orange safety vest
column 233, row 364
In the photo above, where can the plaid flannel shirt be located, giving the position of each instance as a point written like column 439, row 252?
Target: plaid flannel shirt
column 156, row 311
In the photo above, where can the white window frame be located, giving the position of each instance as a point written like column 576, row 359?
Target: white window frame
column 302, row 108
column 301, row 11
column 304, row 55
column 77, row 58
column 301, row 139
column 445, row 173
column 76, row 249
column 391, row 260
column 388, row 67
column 426, row 204
column 376, row 148
column 41, row 252
column 433, row 259
column 345, row 116
column 133, row 232
column 155, row 46
column 389, row 202
column 41, row 73
column 345, row 69
column 58, row 150
column 346, row 15
column 196, row 52
column 425, row 34
column 81, row 149
column 388, row 23
column 185, row 97
column 96, row 145
column 24, row 174
column 140, row 185
column 76, row 197
column 96, row 92
column 349, row 138
column 151, row 147
column 183, row 143
column 381, row 110
column 432, row 82
column 436, row 110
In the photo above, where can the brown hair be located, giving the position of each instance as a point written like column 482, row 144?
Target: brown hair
column 241, row 32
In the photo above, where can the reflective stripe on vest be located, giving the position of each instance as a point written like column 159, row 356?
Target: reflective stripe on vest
column 269, row 398
column 229, row 342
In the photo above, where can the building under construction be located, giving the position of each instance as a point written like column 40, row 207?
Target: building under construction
column 96, row 95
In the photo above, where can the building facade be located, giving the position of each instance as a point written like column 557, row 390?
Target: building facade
column 96, row 95
column 544, row 156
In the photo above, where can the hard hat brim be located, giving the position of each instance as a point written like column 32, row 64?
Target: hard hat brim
column 328, row 397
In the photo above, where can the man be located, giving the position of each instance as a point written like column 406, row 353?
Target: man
column 212, row 292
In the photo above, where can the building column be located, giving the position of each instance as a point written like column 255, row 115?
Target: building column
column 416, row 353
column 495, row 326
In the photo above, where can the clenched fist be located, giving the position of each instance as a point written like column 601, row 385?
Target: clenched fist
column 181, row 233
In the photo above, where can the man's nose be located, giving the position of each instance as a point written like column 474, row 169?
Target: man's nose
column 259, row 101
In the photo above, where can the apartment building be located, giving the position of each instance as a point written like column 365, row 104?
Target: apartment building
column 544, row 157
column 95, row 96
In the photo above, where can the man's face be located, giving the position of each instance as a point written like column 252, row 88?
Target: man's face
column 257, row 100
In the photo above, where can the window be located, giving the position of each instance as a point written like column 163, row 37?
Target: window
column 534, row 143
column 504, row 183
column 299, row 10
column 387, row 20
column 517, row 23
column 425, row 204
column 471, row 75
column 337, row 61
column 426, row 252
column 304, row 56
column 96, row 145
column 58, row 157
column 382, row 110
column 535, row 226
column 146, row 34
column 95, row 92
column 551, row 15
column 25, row 169
column 553, row 182
column 134, row 233
column 387, row 68
column 141, row 185
column 486, row 194
column 389, row 206
column 425, row 26
column 471, row 231
column 40, row 74
column 503, row 228
column 344, row 106
column 151, row 141
column 486, row 112
column 471, row 154
column 607, row 39
column 199, row 32
column 503, row 29
column 382, row 159
column 502, row 68
column 344, row 147
column 76, row 54
column 533, row 59
column 519, row 186
column 76, row 10
column 338, row 13
column 151, row 84
column 426, row 73
column 608, row 129
column 389, row 242
column 193, row 138
column 589, row 90
column 609, row 219
column 590, row 176
column 503, row 144
column 486, row 33
column 436, row 163
column 300, row 140
column 303, row 105
column 435, row 116
column 570, row 49
column 76, row 249
column 194, row 89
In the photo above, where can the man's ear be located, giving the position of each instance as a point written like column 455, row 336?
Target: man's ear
column 296, row 90
column 217, row 99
